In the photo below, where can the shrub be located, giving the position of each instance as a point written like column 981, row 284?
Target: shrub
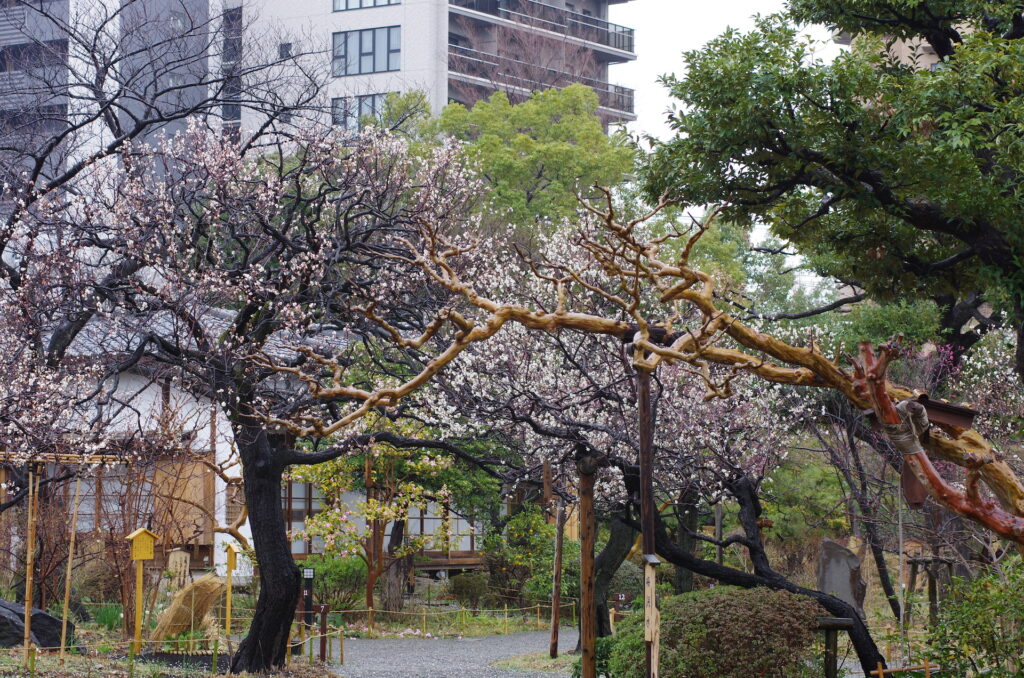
column 723, row 632
column 629, row 579
column 981, row 625
column 468, row 588
column 516, row 553
column 339, row 582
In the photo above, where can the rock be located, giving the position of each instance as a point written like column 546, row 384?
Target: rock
column 839, row 574
column 45, row 627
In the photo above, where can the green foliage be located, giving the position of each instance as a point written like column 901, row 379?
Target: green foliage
column 916, row 320
column 602, row 655
column 722, row 632
column 981, row 625
column 536, row 155
column 469, row 588
column 339, row 582
column 801, row 499
column 870, row 192
column 629, row 579
column 110, row 616
column 520, row 559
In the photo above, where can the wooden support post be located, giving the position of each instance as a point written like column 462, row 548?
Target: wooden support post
column 556, row 586
column 67, row 572
column 831, row 653
column 423, row 626
column 587, row 468
column 652, row 622
column 137, row 641
column 232, row 561
column 909, row 606
column 30, row 553
column 506, row 618
column 341, row 644
column 933, row 597
column 719, row 551
column 323, row 632
column 547, row 492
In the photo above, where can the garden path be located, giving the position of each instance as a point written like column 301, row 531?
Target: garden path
column 454, row 658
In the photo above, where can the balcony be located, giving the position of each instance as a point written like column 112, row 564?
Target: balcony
column 555, row 19
column 498, row 70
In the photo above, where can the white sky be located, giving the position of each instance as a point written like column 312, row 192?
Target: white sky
column 664, row 30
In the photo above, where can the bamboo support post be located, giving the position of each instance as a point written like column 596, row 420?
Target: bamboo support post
column 67, row 574
column 30, row 552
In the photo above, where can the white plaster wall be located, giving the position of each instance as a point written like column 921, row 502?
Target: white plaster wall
column 193, row 413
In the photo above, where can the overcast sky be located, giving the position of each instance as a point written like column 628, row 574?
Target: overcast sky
column 664, row 30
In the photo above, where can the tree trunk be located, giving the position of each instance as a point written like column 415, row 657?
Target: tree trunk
column 396, row 573
column 263, row 649
column 687, row 516
column 620, row 541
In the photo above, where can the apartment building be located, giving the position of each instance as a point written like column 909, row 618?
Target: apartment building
column 454, row 50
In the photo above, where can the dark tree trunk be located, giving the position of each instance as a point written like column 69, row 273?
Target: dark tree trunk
column 687, row 516
column 608, row 561
column 263, row 649
column 396, row 573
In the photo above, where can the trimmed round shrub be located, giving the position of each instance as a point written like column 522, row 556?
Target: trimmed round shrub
column 724, row 632
column 468, row 588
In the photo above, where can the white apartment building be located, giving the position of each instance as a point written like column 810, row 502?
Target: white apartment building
column 452, row 50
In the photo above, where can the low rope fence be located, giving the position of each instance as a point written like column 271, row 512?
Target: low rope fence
column 316, row 636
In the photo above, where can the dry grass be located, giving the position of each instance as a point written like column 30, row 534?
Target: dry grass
column 538, row 661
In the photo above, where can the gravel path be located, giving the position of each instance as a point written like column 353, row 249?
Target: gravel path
column 465, row 658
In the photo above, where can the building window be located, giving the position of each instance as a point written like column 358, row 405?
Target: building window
column 232, row 107
column 28, row 55
column 349, row 112
column 301, row 501
column 232, row 35
column 374, row 50
column 341, row 5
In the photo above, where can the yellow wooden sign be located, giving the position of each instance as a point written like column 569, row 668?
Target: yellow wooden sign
column 233, row 551
column 650, row 603
column 142, row 541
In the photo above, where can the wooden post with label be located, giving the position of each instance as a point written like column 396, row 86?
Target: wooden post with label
column 142, row 542
column 232, row 550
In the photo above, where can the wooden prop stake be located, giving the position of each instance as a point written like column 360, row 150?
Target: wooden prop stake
column 652, row 621
column 556, row 586
column 67, row 574
column 30, row 546
column 587, row 467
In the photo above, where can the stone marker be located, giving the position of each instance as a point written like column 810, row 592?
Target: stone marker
column 839, row 574
column 45, row 627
